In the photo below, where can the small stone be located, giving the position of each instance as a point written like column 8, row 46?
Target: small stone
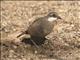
column 15, row 47
column 35, row 52
column 11, row 51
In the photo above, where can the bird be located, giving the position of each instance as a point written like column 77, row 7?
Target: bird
column 41, row 27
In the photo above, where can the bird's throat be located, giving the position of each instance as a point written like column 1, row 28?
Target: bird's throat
column 51, row 19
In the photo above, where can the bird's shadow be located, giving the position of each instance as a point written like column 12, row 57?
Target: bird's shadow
column 27, row 41
column 37, row 41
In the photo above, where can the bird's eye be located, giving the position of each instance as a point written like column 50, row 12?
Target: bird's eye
column 54, row 15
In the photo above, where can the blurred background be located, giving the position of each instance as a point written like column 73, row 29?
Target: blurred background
column 16, row 16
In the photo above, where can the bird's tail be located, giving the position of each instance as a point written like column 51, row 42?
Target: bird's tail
column 26, row 32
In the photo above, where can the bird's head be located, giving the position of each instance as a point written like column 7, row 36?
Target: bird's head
column 53, row 16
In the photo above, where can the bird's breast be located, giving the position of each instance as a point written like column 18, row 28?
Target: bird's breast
column 40, row 28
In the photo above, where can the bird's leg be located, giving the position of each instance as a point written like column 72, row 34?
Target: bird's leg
column 39, row 41
column 34, row 43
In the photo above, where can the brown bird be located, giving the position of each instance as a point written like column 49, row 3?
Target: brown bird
column 41, row 27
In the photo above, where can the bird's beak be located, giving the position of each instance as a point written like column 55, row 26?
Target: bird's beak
column 59, row 17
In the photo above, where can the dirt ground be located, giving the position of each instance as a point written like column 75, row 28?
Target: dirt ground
column 64, row 40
